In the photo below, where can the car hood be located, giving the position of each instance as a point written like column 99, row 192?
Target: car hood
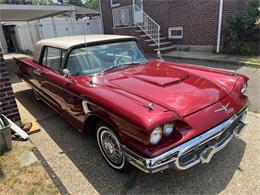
column 166, row 85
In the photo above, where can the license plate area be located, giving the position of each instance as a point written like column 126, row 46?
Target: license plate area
column 205, row 151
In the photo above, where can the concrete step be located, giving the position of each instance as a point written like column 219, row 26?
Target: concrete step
column 162, row 43
column 161, row 38
column 166, row 48
column 145, row 35
column 141, row 31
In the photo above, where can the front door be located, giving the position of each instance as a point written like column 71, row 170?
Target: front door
column 57, row 89
column 138, row 11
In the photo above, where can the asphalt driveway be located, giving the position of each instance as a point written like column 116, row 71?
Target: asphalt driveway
column 77, row 162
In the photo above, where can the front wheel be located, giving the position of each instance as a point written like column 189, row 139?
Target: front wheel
column 109, row 146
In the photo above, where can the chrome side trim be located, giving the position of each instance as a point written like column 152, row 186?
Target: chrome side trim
column 172, row 157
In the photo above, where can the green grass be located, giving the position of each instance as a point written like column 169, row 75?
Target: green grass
column 252, row 60
column 31, row 179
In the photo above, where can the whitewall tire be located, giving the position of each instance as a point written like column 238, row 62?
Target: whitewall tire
column 110, row 147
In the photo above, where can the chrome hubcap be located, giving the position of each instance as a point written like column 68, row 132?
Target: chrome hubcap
column 111, row 147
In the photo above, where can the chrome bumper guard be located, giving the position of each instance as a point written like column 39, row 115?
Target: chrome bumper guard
column 199, row 149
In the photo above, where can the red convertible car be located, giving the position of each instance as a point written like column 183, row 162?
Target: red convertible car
column 148, row 113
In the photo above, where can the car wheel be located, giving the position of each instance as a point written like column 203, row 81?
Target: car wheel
column 110, row 148
column 36, row 95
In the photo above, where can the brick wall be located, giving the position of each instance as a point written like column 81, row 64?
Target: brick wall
column 8, row 105
column 199, row 18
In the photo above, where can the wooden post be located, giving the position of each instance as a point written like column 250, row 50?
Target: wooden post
column 30, row 33
column 54, row 26
column 39, row 24
column 73, row 25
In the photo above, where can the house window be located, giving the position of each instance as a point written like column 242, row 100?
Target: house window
column 175, row 33
column 114, row 3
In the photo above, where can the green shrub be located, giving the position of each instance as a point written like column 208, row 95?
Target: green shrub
column 242, row 33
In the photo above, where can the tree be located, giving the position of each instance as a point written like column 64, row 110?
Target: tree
column 92, row 4
column 75, row 2
column 12, row 1
column 242, row 33
column 42, row 2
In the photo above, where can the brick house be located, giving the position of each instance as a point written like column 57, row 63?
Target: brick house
column 194, row 24
column 8, row 105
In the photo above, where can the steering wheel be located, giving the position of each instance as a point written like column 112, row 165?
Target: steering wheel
column 122, row 57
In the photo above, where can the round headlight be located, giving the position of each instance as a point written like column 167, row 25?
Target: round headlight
column 244, row 88
column 168, row 128
column 156, row 135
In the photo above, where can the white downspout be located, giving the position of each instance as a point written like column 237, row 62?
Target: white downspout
column 219, row 25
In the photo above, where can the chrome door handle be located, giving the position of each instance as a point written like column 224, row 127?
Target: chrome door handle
column 38, row 72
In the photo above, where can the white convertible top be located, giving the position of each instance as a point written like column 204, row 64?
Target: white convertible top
column 70, row 41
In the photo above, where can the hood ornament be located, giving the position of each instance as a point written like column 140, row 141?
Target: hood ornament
column 149, row 106
column 225, row 108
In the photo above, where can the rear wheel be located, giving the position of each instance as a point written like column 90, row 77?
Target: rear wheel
column 110, row 148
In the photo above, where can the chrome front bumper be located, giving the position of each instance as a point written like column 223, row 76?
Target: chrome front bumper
column 190, row 153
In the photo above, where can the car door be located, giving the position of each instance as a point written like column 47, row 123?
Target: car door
column 29, row 71
column 57, row 87
column 52, row 82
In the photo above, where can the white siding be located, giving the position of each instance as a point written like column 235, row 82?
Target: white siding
column 64, row 27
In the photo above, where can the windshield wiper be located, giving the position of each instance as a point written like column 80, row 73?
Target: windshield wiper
column 110, row 68
column 118, row 65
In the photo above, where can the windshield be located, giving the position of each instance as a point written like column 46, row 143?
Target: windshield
column 101, row 58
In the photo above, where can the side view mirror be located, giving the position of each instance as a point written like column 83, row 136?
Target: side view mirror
column 66, row 72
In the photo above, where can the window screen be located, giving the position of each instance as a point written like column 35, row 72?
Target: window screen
column 176, row 32
column 114, row 2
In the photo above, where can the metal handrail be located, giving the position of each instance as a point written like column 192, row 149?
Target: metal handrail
column 153, row 31
column 126, row 16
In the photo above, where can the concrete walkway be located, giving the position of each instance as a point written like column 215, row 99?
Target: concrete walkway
column 208, row 56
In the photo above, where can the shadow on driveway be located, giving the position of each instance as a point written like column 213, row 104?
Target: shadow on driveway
column 83, row 152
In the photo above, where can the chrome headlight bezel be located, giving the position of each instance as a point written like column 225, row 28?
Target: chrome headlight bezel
column 168, row 128
column 156, row 135
column 244, row 88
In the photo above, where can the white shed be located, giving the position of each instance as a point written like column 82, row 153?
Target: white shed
column 23, row 25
